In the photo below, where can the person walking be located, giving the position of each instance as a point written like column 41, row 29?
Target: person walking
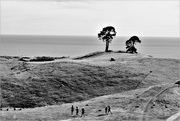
column 109, row 109
column 77, row 110
column 106, row 110
column 72, row 109
column 82, row 112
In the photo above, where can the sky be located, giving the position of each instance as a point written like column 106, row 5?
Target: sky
column 88, row 17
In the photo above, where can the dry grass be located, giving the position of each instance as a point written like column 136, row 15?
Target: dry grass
column 125, row 107
column 125, row 83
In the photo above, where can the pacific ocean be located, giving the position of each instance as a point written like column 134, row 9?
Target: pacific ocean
column 51, row 45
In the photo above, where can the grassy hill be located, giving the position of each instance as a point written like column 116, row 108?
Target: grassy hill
column 68, row 80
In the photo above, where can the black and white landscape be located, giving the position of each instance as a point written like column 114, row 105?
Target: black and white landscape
column 94, row 55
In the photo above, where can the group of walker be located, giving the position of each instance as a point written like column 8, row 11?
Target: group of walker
column 107, row 111
column 77, row 111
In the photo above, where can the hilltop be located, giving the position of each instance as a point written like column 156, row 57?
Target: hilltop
column 69, row 80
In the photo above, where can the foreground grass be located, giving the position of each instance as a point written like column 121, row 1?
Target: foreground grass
column 124, row 106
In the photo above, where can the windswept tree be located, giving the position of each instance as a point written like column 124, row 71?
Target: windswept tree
column 107, row 34
column 130, row 44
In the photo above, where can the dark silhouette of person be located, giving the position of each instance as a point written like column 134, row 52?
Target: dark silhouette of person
column 72, row 109
column 106, row 110
column 109, row 109
column 77, row 110
column 82, row 112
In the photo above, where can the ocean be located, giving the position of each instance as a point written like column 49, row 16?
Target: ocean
column 57, row 46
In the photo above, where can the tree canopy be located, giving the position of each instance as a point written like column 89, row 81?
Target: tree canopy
column 107, row 34
column 130, row 44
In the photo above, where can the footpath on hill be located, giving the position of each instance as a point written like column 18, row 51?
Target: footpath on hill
column 174, row 117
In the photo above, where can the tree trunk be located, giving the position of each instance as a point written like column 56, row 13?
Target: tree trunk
column 107, row 46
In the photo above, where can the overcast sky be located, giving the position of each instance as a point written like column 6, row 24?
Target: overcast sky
column 88, row 17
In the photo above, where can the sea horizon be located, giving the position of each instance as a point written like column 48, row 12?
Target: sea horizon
column 76, row 45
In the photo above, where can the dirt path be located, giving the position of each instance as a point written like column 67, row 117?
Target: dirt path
column 173, row 117
column 66, row 120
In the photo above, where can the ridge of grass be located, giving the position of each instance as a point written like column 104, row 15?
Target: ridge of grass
column 28, row 85
column 62, row 82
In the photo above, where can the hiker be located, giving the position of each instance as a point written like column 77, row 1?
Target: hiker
column 106, row 110
column 83, row 112
column 77, row 110
column 109, row 109
column 72, row 109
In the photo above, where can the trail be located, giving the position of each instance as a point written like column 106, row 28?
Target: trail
column 152, row 99
column 66, row 120
column 173, row 117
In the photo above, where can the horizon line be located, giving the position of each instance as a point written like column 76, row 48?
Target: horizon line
column 79, row 35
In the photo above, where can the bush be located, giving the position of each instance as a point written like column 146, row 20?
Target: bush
column 43, row 58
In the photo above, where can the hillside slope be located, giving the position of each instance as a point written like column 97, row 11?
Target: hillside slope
column 31, row 84
column 125, row 106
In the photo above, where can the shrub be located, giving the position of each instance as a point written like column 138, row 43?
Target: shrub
column 43, row 58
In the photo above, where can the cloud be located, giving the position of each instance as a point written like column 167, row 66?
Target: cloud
column 77, row 17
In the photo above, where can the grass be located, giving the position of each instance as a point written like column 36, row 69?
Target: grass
column 123, row 105
column 79, row 80
column 64, row 82
column 90, row 55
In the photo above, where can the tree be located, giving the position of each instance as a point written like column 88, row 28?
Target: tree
column 130, row 44
column 107, row 35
